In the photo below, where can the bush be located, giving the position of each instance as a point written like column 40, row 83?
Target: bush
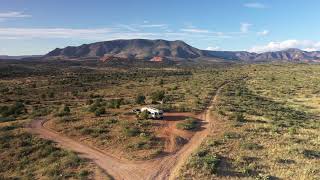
column 84, row 174
column 188, row 124
column 131, row 131
column 311, row 154
column 115, row 103
column 251, row 146
column 140, row 99
column 51, row 95
column 15, row 110
column 205, row 160
column 40, row 111
column 7, row 119
column 144, row 115
column 99, row 111
column 239, row 117
column 98, row 107
column 231, row 135
column 158, row 95
column 64, row 111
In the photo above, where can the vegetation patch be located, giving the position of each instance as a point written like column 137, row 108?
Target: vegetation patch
column 188, row 124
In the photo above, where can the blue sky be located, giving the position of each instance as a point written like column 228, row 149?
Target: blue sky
column 38, row 26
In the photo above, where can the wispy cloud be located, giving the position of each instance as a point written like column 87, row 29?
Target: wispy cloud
column 12, row 14
column 244, row 27
column 263, row 33
column 127, row 27
column 213, row 48
column 51, row 33
column 255, row 5
column 291, row 43
column 154, row 25
column 195, row 30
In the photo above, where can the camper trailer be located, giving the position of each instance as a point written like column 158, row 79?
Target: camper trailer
column 153, row 112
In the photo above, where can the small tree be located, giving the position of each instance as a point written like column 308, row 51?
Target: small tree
column 158, row 95
column 140, row 99
column 144, row 115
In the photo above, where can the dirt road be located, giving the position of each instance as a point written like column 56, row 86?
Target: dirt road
column 166, row 167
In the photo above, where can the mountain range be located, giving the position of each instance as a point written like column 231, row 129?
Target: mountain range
column 158, row 50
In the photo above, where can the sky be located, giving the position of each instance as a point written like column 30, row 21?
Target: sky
column 33, row 27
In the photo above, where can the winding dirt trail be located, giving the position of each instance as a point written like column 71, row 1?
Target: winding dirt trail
column 161, row 168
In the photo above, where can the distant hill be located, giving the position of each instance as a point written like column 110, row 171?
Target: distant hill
column 158, row 50
column 18, row 57
column 130, row 49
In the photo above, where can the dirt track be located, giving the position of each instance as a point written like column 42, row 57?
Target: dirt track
column 166, row 167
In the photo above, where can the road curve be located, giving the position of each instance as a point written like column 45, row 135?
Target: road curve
column 162, row 168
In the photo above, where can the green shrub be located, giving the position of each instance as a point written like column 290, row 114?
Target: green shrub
column 158, row 95
column 311, row 154
column 231, row 135
column 131, row 131
column 115, row 103
column 140, row 99
column 188, row 124
column 239, row 117
column 16, row 109
column 203, row 160
column 144, row 115
column 72, row 160
column 64, row 111
column 100, row 111
column 51, row 95
column 84, row 174
column 97, row 103
column 38, row 111
column 7, row 119
column 111, row 121
column 251, row 146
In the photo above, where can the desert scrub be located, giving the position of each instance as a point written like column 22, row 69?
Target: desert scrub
column 188, row 124
column 24, row 156
column 204, row 161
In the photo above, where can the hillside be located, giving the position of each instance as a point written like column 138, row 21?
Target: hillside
column 130, row 49
column 158, row 50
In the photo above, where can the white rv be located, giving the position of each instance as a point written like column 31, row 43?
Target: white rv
column 153, row 112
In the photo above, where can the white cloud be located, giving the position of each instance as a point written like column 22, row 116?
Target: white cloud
column 282, row 45
column 127, row 27
column 214, row 48
column 263, row 33
column 12, row 14
column 195, row 30
column 154, row 25
column 51, row 32
column 244, row 27
column 255, row 5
